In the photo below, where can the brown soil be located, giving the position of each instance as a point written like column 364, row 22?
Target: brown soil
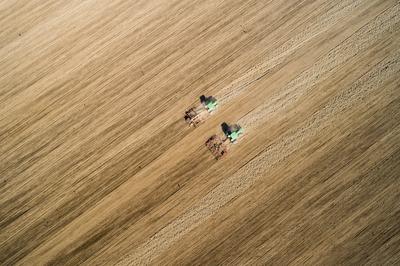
column 97, row 165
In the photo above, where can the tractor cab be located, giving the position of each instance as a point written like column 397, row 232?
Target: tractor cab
column 233, row 136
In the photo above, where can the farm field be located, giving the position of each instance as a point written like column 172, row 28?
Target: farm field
column 98, row 167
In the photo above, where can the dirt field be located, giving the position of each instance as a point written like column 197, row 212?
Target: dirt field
column 98, row 167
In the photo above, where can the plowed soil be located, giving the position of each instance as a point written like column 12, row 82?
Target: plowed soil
column 98, row 167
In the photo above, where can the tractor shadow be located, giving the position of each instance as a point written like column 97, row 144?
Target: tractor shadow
column 203, row 99
column 226, row 129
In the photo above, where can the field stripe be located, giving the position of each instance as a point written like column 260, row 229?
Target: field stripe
column 286, row 97
column 248, row 175
column 315, row 28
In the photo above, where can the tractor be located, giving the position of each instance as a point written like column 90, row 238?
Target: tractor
column 197, row 115
column 219, row 146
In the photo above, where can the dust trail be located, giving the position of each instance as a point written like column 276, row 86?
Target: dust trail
column 304, row 83
column 247, row 176
column 320, row 25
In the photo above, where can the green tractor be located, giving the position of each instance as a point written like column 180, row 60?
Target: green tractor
column 196, row 116
column 232, row 132
column 219, row 146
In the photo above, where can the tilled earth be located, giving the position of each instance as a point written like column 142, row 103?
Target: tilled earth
column 97, row 165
